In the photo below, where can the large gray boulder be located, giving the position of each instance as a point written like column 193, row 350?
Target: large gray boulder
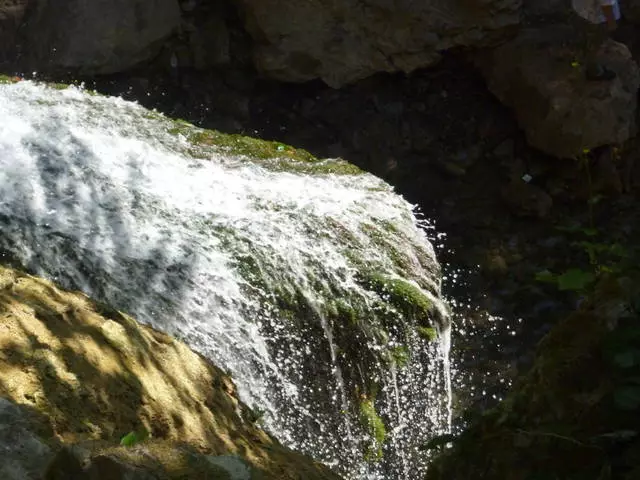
column 341, row 41
column 560, row 111
column 96, row 36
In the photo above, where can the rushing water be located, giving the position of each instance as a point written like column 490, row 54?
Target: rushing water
column 259, row 265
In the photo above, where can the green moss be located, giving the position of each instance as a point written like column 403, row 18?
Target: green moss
column 405, row 296
column 399, row 356
column 343, row 312
column 4, row 79
column 374, row 426
column 428, row 333
column 275, row 156
column 386, row 236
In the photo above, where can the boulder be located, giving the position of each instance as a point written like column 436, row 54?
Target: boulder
column 77, row 378
column 341, row 41
column 98, row 36
column 560, row 111
column 24, row 454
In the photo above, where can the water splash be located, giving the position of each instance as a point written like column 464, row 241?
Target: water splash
column 310, row 288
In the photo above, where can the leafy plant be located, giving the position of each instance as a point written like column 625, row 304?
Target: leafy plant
column 134, row 437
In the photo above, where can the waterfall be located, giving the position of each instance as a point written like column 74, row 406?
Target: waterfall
column 311, row 282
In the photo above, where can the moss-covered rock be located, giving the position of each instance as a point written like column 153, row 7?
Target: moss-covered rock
column 576, row 414
column 372, row 422
column 273, row 155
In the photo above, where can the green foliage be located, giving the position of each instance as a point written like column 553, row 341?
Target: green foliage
column 603, row 257
column 134, row 437
column 399, row 355
column 574, row 279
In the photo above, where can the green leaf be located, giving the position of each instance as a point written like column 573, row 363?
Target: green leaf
column 134, row 437
column 546, row 276
column 627, row 397
column 575, row 279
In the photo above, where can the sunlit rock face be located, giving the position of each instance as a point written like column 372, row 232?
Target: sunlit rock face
column 311, row 282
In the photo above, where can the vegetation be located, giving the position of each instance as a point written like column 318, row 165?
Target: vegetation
column 405, row 296
column 272, row 155
column 374, row 426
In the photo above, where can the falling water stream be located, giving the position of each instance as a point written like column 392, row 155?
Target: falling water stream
column 309, row 284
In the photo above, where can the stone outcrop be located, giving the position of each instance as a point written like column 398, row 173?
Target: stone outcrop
column 97, row 37
column 344, row 41
column 540, row 76
column 76, row 377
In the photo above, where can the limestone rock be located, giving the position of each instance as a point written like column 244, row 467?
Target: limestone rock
column 85, row 375
column 343, row 41
column 98, row 36
column 560, row 111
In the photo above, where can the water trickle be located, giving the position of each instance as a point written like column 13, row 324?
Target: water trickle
column 313, row 289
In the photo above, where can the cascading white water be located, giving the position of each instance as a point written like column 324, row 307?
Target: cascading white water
column 285, row 275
